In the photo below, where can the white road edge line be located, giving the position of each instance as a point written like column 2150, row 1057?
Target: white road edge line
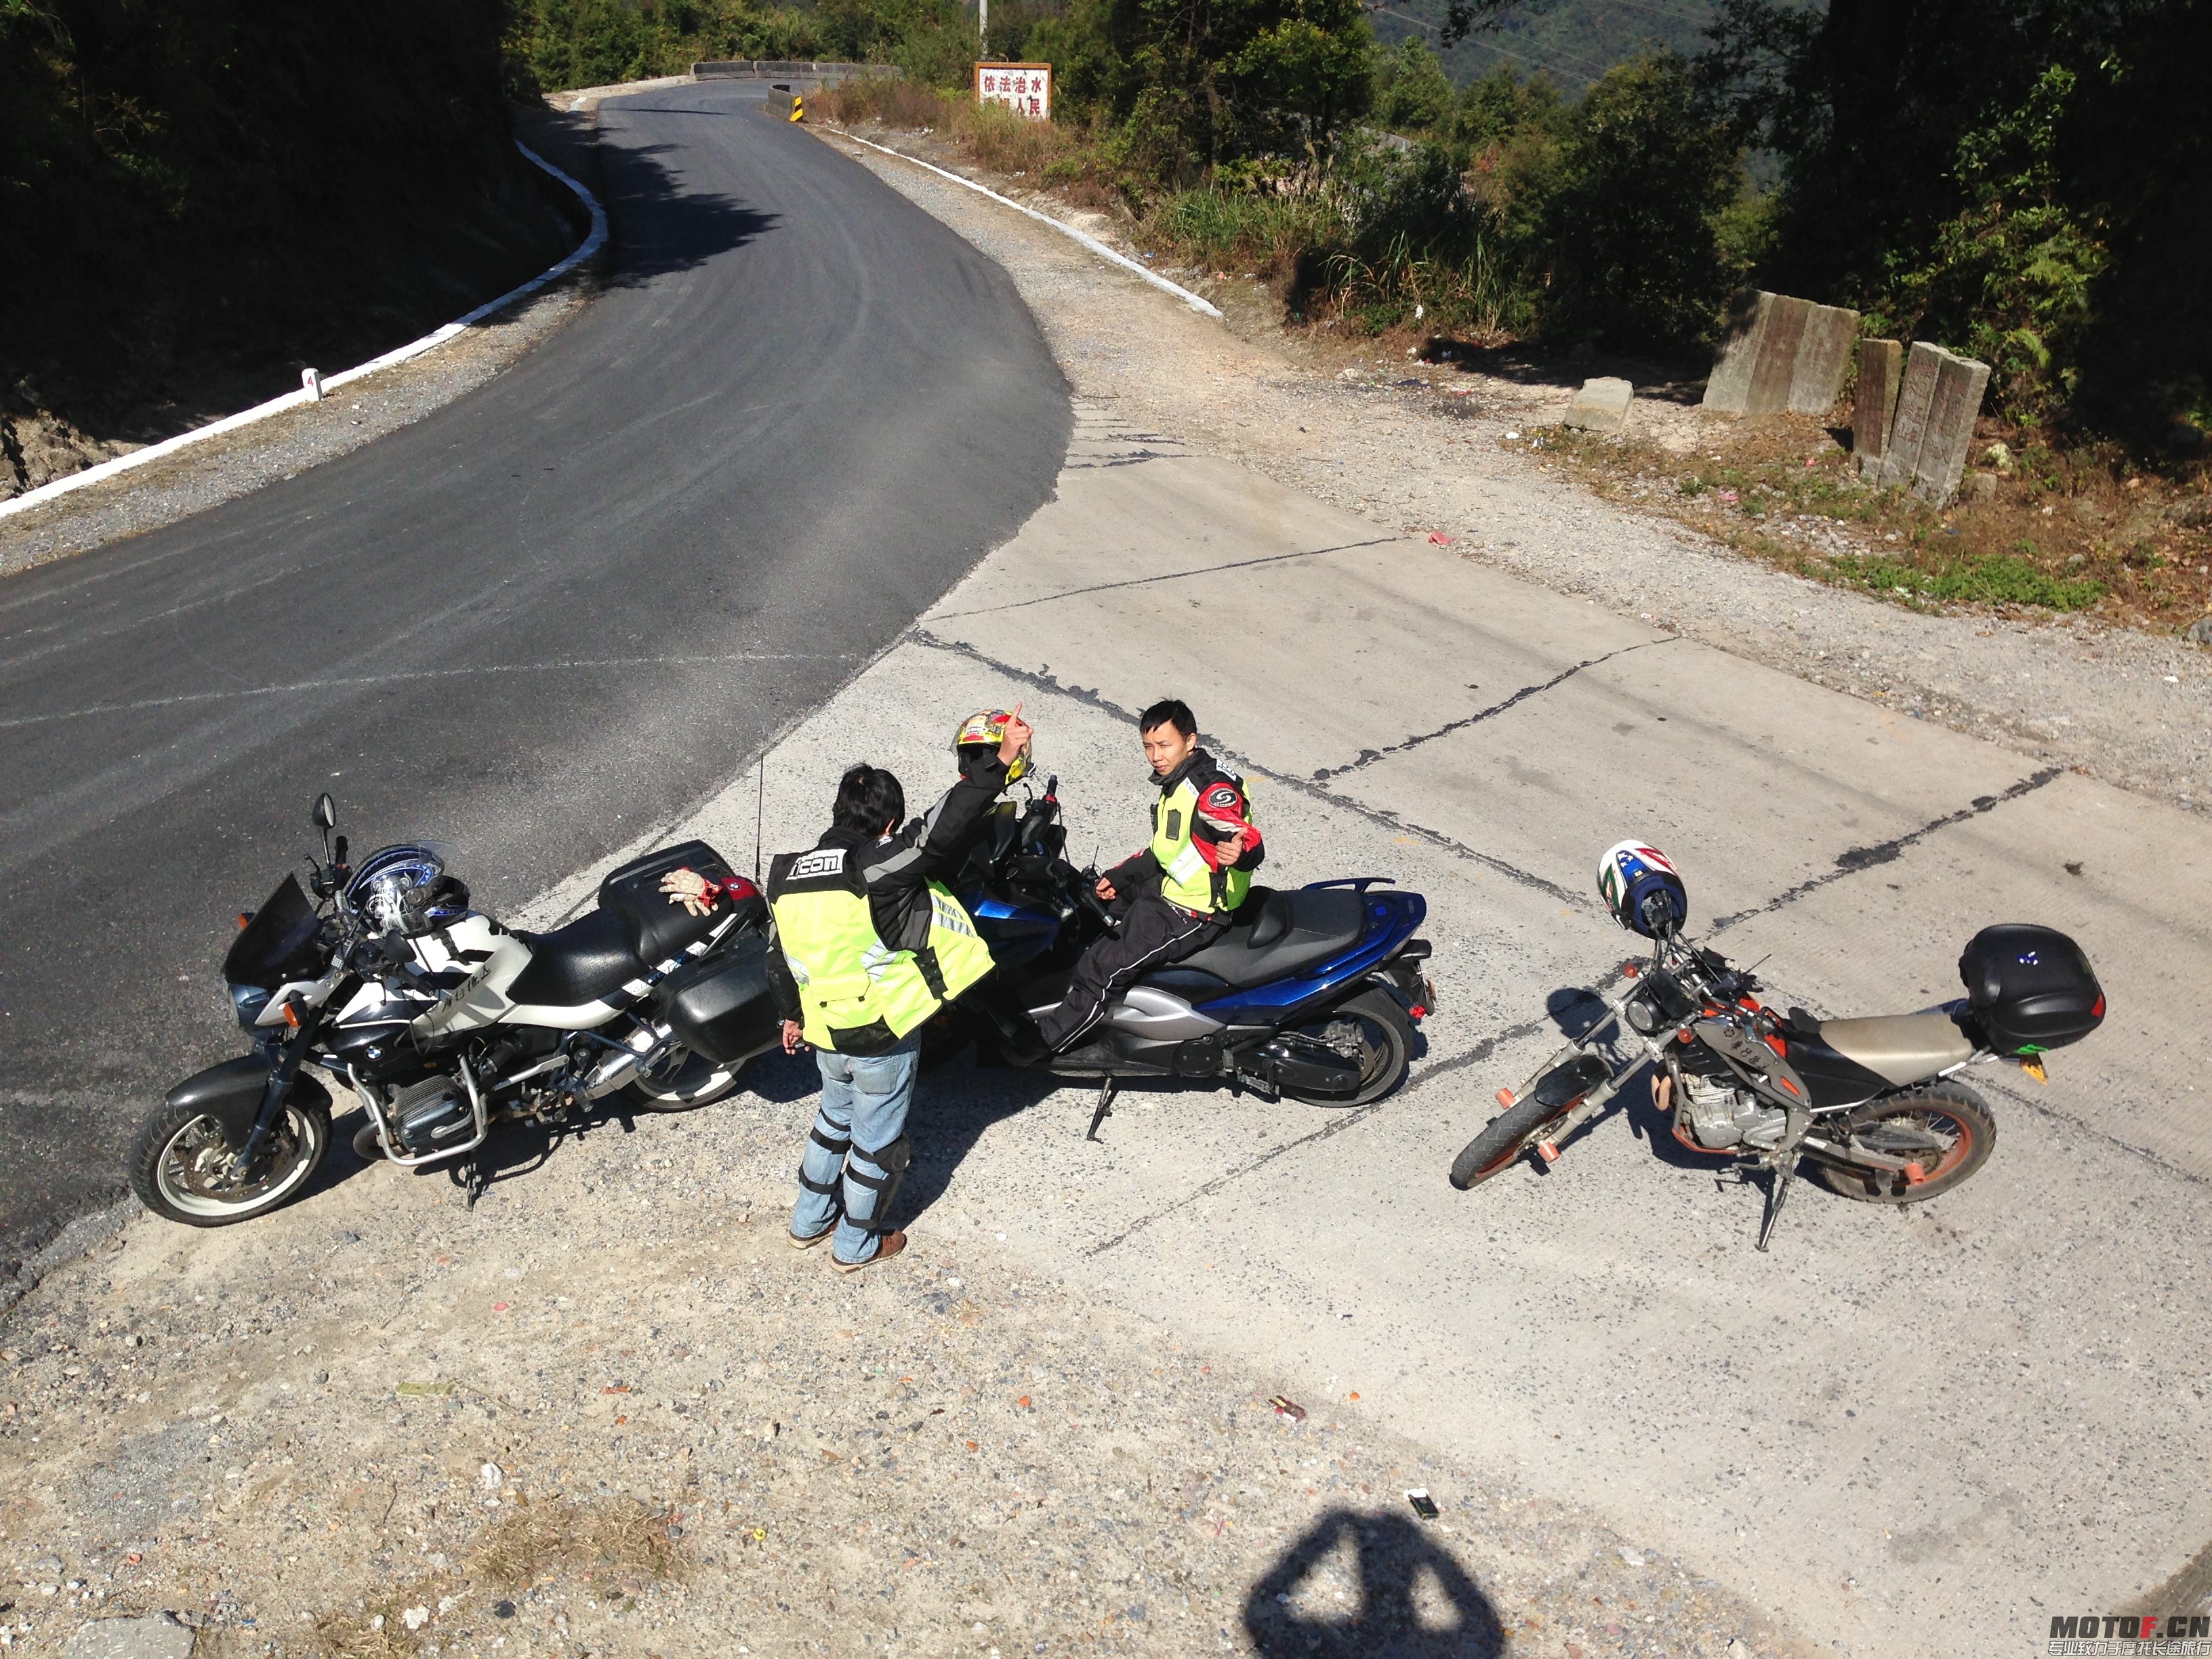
column 1196, row 302
column 591, row 245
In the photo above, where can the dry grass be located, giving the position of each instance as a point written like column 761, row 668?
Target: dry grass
column 2050, row 533
column 616, row 1546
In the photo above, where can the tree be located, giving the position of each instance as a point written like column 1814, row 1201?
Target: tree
column 1629, row 228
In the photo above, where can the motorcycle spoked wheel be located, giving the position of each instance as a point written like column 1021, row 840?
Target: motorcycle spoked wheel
column 1946, row 1124
column 1503, row 1140
column 179, row 1167
column 685, row 1081
column 1372, row 1028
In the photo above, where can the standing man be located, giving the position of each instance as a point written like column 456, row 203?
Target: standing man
column 1175, row 896
column 870, row 945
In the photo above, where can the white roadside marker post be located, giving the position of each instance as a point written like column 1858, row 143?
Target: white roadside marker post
column 311, row 382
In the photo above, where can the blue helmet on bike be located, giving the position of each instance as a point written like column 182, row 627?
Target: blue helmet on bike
column 406, row 887
column 1641, row 889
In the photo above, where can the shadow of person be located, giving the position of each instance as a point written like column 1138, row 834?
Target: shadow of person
column 1384, row 1617
column 953, row 1106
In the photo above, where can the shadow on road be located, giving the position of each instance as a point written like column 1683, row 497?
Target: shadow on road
column 1409, row 1599
column 658, row 225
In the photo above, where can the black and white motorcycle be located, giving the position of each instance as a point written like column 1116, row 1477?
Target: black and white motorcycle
column 444, row 1023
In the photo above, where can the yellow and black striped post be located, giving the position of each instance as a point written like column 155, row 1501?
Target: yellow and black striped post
column 798, row 107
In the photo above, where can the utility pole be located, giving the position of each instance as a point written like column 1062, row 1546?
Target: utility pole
column 983, row 25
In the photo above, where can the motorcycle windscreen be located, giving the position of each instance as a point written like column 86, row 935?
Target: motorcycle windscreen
column 281, row 943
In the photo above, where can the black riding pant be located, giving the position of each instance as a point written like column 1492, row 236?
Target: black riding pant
column 1154, row 932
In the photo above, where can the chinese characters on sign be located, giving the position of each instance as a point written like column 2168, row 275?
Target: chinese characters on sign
column 1024, row 88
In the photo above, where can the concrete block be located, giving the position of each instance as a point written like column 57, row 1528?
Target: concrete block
column 1729, row 387
column 1916, row 392
column 155, row 1637
column 1960, row 383
column 1777, row 356
column 1881, row 364
column 1824, row 350
column 1601, row 405
column 1937, row 403
column 1777, row 353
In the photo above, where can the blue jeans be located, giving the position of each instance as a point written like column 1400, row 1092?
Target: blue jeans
column 863, row 1111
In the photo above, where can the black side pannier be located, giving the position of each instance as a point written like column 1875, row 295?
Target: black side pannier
column 659, row 930
column 722, row 1007
column 2031, row 988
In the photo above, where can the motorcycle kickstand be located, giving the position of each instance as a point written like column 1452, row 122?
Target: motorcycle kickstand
column 1105, row 1110
column 1778, row 1191
column 469, row 1176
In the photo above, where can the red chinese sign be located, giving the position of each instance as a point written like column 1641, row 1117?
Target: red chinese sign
column 1024, row 88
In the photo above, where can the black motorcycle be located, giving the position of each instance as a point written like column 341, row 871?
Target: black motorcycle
column 1313, row 993
column 444, row 1023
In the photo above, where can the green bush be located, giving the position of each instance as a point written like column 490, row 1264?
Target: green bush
column 1412, row 94
column 1629, row 227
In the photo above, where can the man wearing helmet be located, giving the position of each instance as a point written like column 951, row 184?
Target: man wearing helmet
column 1176, row 895
column 871, row 944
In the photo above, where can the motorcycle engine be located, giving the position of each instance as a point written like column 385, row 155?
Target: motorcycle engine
column 430, row 1115
column 1722, row 1114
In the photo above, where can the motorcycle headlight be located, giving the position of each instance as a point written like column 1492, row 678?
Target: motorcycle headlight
column 247, row 1001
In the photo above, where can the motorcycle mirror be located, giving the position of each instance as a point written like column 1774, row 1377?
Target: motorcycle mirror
column 325, row 813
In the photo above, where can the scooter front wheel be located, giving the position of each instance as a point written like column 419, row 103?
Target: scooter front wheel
column 1373, row 1027
column 683, row 1082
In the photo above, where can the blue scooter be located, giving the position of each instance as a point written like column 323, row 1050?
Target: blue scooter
column 1313, row 993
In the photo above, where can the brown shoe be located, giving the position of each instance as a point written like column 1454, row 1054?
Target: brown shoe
column 800, row 1243
column 892, row 1244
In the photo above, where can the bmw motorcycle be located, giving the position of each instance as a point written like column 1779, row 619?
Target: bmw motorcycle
column 1873, row 1108
column 1313, row 993
column 444, row 1023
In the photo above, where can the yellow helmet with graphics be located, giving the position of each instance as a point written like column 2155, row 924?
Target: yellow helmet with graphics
column 986, row 729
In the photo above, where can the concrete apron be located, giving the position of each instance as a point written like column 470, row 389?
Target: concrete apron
column 1913, row 1430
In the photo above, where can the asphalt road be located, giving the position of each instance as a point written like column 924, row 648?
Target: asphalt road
column 534, row 625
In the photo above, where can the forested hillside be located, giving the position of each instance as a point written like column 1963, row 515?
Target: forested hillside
column 245, row 185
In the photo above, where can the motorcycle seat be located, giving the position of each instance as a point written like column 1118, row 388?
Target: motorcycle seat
column 1903, row 1048
column 1277, row 935
column 590, row 960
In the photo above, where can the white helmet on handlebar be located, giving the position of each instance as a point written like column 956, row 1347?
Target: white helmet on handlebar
column 1641, row 889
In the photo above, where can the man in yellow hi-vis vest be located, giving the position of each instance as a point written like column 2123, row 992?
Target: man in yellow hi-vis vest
column 869, row 945
column 1175, row 896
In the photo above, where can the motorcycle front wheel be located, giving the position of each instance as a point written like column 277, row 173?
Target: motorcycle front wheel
column 685, row 1081
column 1374, row 1029
column 1503, row 1140
column 1945, row 1127
column 180, row 1167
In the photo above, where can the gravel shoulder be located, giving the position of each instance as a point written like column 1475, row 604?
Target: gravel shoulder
column 611, row 1411
column 1422, row 449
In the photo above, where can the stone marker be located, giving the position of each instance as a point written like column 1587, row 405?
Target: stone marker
column 1880, row 363
column 1778, row 353
column 1937, row 404
column 155, row 1637
column 1601, row 405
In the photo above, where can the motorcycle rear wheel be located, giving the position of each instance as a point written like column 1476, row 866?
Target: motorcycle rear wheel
column 178, row 1166
column 684, row 1082
column 1950, row 1114
column 1386, row 1041
column 1503, row 1140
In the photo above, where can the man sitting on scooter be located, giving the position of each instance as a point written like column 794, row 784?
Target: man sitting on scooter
column 1175, row 896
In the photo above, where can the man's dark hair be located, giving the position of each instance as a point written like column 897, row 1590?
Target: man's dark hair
column 868, row 798
column 1168, row 711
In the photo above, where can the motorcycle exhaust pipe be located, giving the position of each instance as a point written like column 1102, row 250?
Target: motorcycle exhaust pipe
column 619, row 1070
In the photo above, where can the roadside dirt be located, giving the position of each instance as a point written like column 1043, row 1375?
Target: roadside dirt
column 612, row 1412
column 1468, row 450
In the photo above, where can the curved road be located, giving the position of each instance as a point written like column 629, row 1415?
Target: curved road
column 536, row 624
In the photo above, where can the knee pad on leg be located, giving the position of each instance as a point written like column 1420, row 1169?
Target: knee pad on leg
column 868, row 1198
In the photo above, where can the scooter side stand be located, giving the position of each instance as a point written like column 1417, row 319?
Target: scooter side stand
column 1105, row 1110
